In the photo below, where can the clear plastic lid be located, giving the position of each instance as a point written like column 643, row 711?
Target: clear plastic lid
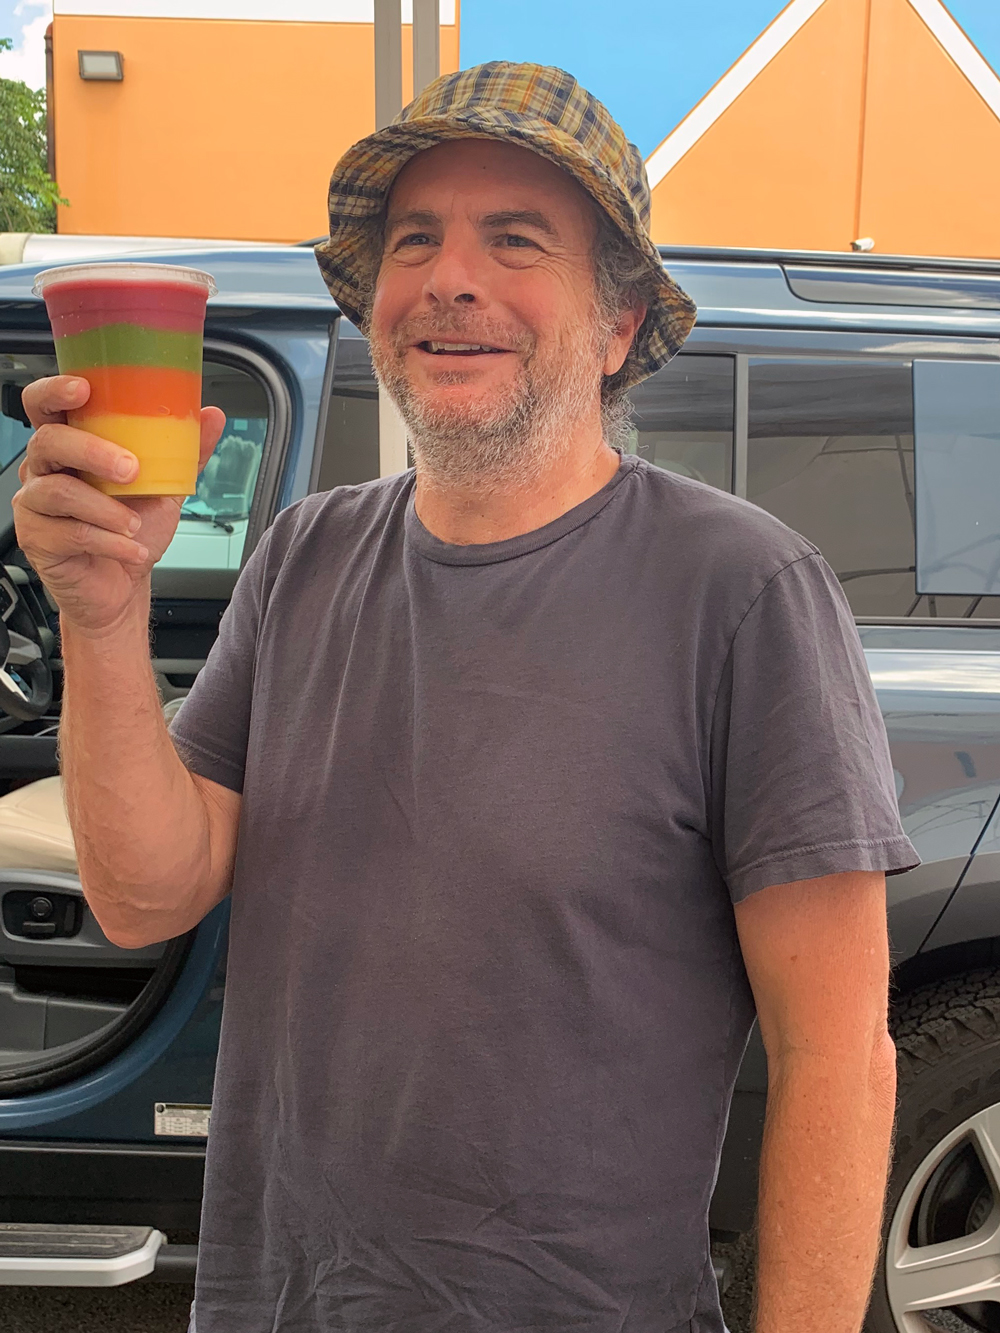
column 125, row 272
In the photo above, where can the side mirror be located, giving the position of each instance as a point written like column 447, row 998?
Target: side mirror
column 10, row 403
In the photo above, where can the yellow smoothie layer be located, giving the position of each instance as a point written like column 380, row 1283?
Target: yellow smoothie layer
column 166, row 447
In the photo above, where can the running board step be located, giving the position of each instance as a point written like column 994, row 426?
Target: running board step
column 44, row 1254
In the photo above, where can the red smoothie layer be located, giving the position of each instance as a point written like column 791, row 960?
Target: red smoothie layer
column 77, row 307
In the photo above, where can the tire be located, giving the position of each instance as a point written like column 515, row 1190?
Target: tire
column 947, row 1039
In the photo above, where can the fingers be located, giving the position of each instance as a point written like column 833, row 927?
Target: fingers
column 46, row 403
column 59, row 515
column 55, row 447
column 63, row 496
column 213, row 423
column 78, row 538
column 50, row 399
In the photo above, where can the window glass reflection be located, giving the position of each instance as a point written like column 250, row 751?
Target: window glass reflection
column 683, row 418
column 830, row 453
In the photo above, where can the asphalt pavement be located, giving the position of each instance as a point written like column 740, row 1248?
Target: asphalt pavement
column 138, row 1307
column 155, row 1307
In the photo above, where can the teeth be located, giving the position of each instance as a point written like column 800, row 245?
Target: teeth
column 460, row 347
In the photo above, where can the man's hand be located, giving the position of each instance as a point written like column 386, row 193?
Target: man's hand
column 92, row 551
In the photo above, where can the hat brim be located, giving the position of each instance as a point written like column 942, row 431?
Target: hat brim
column 363, row 177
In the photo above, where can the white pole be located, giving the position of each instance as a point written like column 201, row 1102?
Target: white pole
column 388, row 61
column 426, row 43
column 392, row 455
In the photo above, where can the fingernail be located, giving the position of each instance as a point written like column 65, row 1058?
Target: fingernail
column 75, row 387
column 125, row 468
column 134, row 524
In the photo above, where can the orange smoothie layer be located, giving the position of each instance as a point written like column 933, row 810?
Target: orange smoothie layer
column 143, row 391
column 166, row 447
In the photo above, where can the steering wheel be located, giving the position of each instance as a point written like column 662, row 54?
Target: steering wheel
column 25, row 674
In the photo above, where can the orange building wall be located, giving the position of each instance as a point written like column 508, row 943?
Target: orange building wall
column 219, row 129
column 861, row 126
column 781, row 163
column 930, row 183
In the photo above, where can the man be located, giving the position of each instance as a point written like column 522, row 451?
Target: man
column 532, row 772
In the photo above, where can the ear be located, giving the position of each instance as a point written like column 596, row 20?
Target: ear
column 629, row 324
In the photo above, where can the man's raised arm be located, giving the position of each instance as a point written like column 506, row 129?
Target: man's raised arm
column 155, row 843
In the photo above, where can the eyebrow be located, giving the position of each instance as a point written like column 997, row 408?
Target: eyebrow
column 416, row 217
column 524, row 217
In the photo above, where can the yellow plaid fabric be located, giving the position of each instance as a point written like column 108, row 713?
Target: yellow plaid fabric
column 537, row 107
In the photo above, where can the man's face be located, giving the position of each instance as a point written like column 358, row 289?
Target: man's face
column 484, row 318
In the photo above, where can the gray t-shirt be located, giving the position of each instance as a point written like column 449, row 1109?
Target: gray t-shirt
column 486, row 1001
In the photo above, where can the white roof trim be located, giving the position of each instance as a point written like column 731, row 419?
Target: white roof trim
column 961, row 50
column 941, row 24
column 729, row 87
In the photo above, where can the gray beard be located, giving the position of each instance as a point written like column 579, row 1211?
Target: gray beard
column 507, row 445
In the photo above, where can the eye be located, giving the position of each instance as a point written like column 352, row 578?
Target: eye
column 513, row 241
column 413, row 238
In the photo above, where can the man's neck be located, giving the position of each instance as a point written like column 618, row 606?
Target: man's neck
column 473, row 515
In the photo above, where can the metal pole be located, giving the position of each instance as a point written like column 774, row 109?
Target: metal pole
column 388, row 61
column 426, row 43
column 392, row 455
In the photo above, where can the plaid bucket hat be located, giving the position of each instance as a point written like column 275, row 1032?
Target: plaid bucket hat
column 536, row 107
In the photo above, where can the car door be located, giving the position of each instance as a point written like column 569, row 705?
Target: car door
column 69, row 998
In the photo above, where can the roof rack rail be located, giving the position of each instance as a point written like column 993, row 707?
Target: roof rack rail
column 849, row 260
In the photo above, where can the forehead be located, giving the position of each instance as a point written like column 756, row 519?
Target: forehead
column 485, row 175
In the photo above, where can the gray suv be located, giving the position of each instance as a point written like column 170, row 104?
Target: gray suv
column 857, row 398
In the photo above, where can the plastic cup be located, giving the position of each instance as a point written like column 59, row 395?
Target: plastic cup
column 135, row 333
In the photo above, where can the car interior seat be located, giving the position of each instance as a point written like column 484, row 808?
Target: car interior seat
column 34, row 826
column 38, row 869
column 226, row 484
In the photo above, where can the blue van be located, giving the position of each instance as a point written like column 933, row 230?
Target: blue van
column 856, row 397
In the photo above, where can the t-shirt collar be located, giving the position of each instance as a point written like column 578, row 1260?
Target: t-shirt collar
column 490, row 553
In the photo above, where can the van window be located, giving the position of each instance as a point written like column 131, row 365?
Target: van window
column 683, row 418
column 830, row 453
column 213, row 524
column 957, row 405
column 350, row 441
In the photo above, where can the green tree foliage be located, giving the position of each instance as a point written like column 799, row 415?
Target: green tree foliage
column 28, row 194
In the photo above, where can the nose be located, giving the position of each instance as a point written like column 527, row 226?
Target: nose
column 456, row 276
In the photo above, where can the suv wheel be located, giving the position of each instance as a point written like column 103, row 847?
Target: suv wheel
column 940, row 1261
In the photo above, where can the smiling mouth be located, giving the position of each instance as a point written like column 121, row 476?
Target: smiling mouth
column 458, row 349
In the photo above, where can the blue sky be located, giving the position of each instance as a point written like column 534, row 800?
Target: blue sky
column 24, row 21
column 981, row 21
column 7, row 28
column 650, row 62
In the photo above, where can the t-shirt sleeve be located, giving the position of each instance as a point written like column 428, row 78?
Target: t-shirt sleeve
column 801, row 779
column 211, row 728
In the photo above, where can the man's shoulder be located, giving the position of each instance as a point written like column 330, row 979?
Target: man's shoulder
column 339, row 519
column 711, row 530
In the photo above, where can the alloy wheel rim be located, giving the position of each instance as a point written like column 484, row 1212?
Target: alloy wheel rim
column 963, row 1271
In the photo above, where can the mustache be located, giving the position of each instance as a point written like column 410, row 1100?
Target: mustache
column 470, row 328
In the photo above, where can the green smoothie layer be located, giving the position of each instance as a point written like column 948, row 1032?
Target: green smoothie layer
column 128, row 345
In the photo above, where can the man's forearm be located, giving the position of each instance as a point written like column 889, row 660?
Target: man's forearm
column 139, row 823
column 827, row 1140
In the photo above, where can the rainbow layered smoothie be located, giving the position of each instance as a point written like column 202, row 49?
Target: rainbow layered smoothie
column 135, row 332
